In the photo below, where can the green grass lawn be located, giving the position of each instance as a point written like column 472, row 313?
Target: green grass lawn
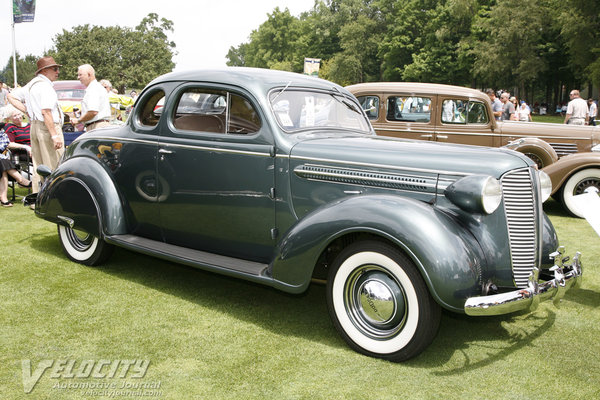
column 555, row 118
column 210, row 337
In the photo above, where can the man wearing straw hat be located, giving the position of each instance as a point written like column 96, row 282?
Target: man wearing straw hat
column 39, row 100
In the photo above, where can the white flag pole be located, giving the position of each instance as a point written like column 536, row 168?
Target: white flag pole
column 14, row 49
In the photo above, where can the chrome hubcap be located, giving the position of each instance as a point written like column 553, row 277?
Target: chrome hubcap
column 375, row 302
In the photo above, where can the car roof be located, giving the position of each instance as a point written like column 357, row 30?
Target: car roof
column 416, row 87
column 73, row 84
column 249, row 77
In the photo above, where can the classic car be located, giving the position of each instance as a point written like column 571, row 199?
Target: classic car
column 278, row 178
column 455, row 114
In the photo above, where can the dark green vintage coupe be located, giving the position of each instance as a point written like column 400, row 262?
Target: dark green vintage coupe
column 279, row 178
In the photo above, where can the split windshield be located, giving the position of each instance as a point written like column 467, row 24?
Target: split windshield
column 297, row 110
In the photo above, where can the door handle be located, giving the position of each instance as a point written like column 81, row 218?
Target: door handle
column 442, row 136
column 165, row 151
column 427, row 136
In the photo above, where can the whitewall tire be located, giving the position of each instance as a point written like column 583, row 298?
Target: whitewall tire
column 379, row 302
column 82, row 247
column 586, row 180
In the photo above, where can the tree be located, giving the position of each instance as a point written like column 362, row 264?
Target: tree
column 444, row 57
column 272, row 44
column 580, row 28
column 509, row 53
column 129, row 58
column 26, row 68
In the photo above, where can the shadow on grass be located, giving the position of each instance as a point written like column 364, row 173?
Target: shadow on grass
column 482, row 341
column 294, row 315
column 306, row 315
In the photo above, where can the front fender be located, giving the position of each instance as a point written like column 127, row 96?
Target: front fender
column 562, row 169
column 447, row 255
column 81, row 190
column 541, row 150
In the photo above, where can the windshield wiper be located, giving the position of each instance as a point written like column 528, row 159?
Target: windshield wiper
column 348, row 104
column 283, row 90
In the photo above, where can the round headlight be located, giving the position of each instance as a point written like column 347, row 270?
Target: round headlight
column 545, row 185
column 491, row 195
column 476, row 193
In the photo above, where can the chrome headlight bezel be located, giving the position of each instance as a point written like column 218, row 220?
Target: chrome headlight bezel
column 481, row 194
column 545, row 185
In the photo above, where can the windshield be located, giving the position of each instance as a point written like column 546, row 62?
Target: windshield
column 301, row 109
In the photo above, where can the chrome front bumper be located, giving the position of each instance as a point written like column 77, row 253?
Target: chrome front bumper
column 565, row 277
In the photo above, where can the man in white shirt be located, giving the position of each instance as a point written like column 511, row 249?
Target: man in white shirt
column 593, row 111
column 39, row 100
column 577, row 110
column 95, row 107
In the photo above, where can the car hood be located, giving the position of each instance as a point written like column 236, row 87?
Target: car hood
column 380, row 153
column 548, row 130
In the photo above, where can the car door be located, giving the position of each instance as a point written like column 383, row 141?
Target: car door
column 216, row 160
column 132, row 161
column 464, row 121
column 406, row 115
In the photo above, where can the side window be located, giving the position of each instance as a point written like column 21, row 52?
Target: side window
column 151, row 109
column 371, row 106
column 243, row 118
column 477, row 113
column 409, row 109
column 463, row 112
column 201, row 110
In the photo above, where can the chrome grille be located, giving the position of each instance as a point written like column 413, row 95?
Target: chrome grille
column 519, row 205
column 564, row 149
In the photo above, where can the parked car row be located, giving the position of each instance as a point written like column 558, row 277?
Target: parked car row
column 569, row 154
column 279, row 178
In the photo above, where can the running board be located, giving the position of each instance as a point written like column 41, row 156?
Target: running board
column 200, row 259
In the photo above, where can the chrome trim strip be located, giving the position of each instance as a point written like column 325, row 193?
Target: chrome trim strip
column 384, row 166
column 465, row 133
column 184, row 146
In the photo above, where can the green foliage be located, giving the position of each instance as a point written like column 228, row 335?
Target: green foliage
column 523, row 44
column 26, row 68
column 129, row 58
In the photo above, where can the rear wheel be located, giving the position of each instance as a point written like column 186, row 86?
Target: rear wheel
column 584, row 181
column 83, row 247
column 379, row 302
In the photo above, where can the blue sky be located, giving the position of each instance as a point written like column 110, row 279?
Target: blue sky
column 204, row 30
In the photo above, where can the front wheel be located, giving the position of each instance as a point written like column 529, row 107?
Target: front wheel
column 82, row 247
column 584, row 181
column 379, row 302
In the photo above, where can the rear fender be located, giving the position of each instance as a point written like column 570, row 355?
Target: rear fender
column 81, row 192
column 447, row 255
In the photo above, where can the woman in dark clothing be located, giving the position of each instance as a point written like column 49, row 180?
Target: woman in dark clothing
column 8, row 167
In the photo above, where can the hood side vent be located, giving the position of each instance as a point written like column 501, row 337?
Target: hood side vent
column 364, row 177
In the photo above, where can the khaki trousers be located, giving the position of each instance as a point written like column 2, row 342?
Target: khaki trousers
column 96, row 125
column 42, row 149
